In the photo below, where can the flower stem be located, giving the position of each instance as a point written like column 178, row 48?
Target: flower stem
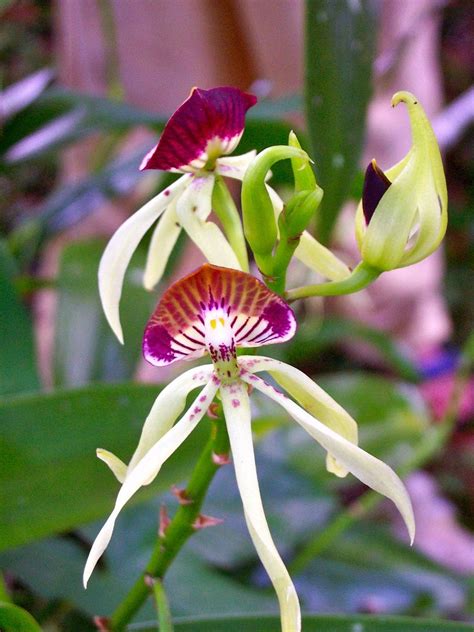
column 165, row 623
column 428, row 448
column 361, row 277
column 179, row 529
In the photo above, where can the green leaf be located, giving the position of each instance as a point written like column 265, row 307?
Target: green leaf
column 340, row 46
column 85, row 348
column 359, row 623
column 50, row 480
column 15, row 619
column 18, row 371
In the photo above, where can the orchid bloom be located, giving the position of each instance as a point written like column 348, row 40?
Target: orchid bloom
column 214, row 311
column 194, row 142
column 402, row 216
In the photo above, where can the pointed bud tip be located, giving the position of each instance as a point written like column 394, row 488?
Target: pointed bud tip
column 405, row 96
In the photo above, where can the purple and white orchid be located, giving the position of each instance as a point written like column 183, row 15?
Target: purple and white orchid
column 196, row 142
column 214, row 311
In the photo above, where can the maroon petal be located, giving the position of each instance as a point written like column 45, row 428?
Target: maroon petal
column 376, row 184
column 255, row 316
column 209, row 121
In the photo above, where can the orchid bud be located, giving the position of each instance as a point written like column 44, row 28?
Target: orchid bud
column 257, row 208
column 303, row 173
column 297, row 213
column 402, row 216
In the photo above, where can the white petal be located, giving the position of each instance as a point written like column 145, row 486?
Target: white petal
column 193, row 207
column 117, row 466
column 162, row 243
column 168, row 406
column 235, row 166
column 147, row 469
column 371, row 471
column 235, row 402
column 310, row 396
column 121, row 247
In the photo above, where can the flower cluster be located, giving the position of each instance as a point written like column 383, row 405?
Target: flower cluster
column 220, row 307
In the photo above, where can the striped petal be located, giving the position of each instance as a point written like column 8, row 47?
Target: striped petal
column 207, row 125
column 235, row 402
column 310, row 396
column 251, row 314
column 162, row 243
column 121, row 247
column 371, row 471
column 147, row 469
column 193, row 208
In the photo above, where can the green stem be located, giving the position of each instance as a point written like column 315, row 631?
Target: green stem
column 165, row 623
column 179, row 529
column 431, row 445
column 362, row 276
column 225, row 209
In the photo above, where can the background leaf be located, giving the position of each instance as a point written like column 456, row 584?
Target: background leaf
column 15, row 619
column 51, row 480
column 18, row 371
column 85, row 348
column 339, row 50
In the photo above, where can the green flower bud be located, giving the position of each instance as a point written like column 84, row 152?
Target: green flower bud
column 298, row 212
column 402, row 216
column 303, row 173
column 258, row 214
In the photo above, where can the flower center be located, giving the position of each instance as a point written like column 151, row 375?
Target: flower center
column 220, row 343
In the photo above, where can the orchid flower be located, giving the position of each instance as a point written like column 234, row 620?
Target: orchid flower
column 214, row 311
column 194, row 142
column 402, row 216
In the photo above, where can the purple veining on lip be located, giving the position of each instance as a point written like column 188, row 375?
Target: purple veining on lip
column 206, row 115
column 254, row 315
column 376, row 184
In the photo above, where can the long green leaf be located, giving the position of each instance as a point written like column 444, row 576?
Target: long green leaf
column 50, row 479
column 359, row 623
column 18, row 371
column 340, row 45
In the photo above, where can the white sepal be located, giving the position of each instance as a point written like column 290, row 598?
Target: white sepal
column 167, row 407
column 236, row 405
column 370, row 470
column 117, row 466
column 235, row 166
column 121, row 247
column 147, row 469
column 193, row 208
column 162, row 242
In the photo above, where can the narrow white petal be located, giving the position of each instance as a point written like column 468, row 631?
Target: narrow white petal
column 168, row 406
column 371, row 471
column 162, row 243
column 307, row 393
column 193, row 207
column 235, row 402
column 117, row 466
column 235, row 166
column 147, row 469
column 121, row 247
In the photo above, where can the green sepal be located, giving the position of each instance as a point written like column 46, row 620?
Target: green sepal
column 303, row 173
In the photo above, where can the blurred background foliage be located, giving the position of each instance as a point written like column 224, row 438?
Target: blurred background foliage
column 53, row 416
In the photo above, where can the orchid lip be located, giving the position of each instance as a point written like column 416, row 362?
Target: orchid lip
column 207, row 125
column 215, row 310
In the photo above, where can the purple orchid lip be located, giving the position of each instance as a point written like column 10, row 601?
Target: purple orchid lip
column 208, row 124
column 253, row 315
column 376, row 184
